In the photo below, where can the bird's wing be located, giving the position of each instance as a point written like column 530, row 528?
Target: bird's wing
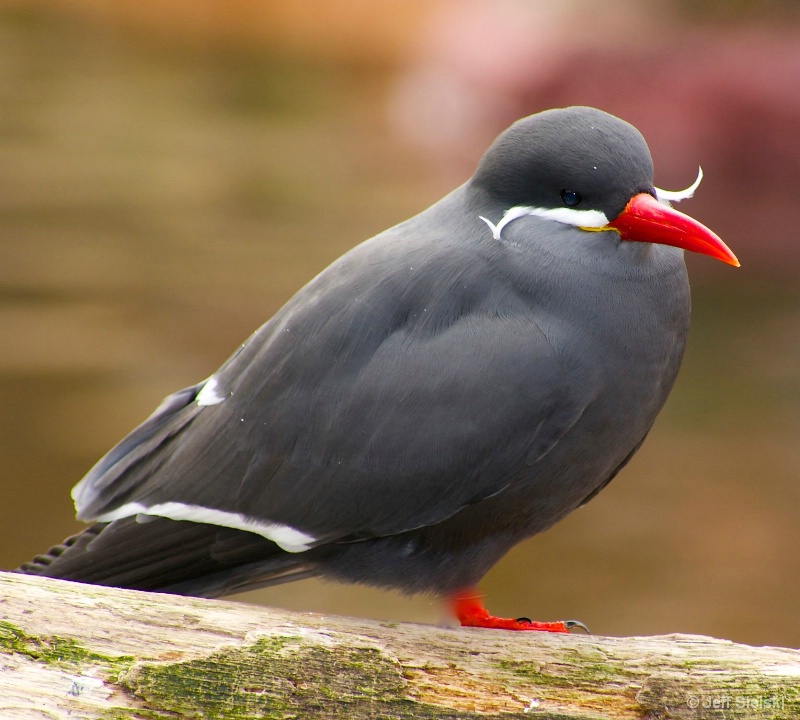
column 375, row 402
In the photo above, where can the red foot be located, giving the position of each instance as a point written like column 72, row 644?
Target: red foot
column 470, row 612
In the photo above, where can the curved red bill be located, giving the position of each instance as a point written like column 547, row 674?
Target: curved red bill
column 645, row 219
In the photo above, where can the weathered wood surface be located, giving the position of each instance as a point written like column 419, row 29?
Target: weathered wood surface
column 78, row 651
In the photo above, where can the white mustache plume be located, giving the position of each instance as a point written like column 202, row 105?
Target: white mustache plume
column 678, row 195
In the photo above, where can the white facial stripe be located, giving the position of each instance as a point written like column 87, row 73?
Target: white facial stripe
column 285, row 536
column 209, row 394
column 678, row 195
column 568, row 216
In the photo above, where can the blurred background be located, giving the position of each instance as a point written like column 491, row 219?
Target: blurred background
column 172, row 171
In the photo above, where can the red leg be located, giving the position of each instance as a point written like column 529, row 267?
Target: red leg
column 470, row 612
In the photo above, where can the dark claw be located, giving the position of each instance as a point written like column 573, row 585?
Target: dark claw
column 577, row 624
column 525, row 620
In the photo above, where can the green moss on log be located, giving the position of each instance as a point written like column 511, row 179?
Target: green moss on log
column 281, row 677
column 58, row 651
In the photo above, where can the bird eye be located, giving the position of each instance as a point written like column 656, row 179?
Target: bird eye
column 570, row 198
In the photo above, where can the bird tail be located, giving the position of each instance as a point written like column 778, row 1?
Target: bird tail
column 179, row 557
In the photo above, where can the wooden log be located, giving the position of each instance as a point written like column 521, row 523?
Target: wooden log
column 81, row 651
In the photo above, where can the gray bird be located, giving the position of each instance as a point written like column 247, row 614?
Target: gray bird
column 446, row 389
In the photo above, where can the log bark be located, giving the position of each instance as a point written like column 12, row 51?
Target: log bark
column 81, row 651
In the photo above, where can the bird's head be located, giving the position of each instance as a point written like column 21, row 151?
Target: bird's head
column 583, row 167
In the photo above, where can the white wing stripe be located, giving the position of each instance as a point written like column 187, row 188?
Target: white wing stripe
column 209, row 394
column 285, row 536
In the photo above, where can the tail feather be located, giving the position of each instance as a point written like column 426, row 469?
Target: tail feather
column 171, row 556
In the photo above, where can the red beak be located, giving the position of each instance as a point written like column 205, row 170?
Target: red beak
column 645, row 219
